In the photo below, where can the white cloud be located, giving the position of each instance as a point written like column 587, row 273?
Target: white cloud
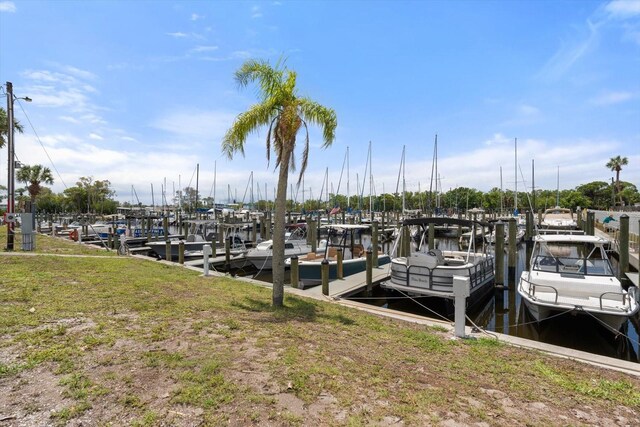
column 498, row 139
column 256, row 12
column 611, row 98
column 95, row 137
column 70, row 119
column 199, row 49
column 7, row 6
column 178, row 35
column 195, row 16
column 196, row 126
column 129, row 139
column 623, row 8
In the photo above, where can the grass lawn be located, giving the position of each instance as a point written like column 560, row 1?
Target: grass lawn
column 122, row 341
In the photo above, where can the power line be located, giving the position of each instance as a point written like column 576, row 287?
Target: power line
column 41, row 144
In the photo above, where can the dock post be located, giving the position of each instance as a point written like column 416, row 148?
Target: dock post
column 343, row 214
column 214, row 245
column 206, row 251
column 369, row 275
column 312, row 236
column 128, row 226
column 591, row 223
column 254, row 231
column 339, row 257
column 227, row 252
column 529, row 232
column 181, row 252
column 513, row 250
column 579, row 218
column 149, row 228
column 167, row 245
column 459, row 226
column 539, row 217
column 374, row 242
column 109, row 237
column 406, row 240
column 432, row 236
column 499, row 254
column 165, row 226
column 325, row 276
column 624, row 246
column 267, row 228
column 460, row 291
column 295, row 273
column 289, row 217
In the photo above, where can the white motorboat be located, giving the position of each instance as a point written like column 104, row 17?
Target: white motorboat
column 262, row 255
column 430, row 272
column 573, row 273
column 558, row 218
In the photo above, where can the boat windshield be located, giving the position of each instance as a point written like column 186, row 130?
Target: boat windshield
column 586, row 259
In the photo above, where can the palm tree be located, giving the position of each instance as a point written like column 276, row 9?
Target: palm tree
column 285, row 113
column 615, row 164
column 4, row 126
column 34, row 176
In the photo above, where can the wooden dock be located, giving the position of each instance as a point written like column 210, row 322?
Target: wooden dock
column 351, row 284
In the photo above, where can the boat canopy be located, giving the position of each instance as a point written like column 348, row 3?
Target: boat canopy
column 347, row 226
column 444, row 221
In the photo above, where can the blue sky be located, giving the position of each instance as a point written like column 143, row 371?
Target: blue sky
column 140, row 92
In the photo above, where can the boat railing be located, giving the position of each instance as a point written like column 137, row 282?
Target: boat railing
column 477, row 274
column 533, row 286
column 623, row 300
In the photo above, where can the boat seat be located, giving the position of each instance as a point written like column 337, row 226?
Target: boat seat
column 358, row 250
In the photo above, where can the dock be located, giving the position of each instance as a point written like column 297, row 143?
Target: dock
column 349, row 285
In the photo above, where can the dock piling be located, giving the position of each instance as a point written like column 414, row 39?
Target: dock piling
column 339, row 266
column 374, row 242
column 325, row 276
column 499, row 254
column 369, row 277
column 513, row 250
column 167, row 245
column 295, row 273
column 624, row 247
column 206, row 251
column 181, row 252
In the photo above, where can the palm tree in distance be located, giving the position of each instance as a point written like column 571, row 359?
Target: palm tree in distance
column 615, row 164
column 4, row 127
column 285, row 113
column 33, row 176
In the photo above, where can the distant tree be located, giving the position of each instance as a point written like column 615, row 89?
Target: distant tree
column 4, row 126
column 34, row 176
column 285, row 113
column 615, row 164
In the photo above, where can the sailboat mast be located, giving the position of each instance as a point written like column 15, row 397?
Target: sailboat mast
column 404, row 186
column 501, row 195
column 370, row 186
column 558, row 188
column 515, row 169
column 348, row 194
column 533, row 186
column 433, row 164
column 197, row 184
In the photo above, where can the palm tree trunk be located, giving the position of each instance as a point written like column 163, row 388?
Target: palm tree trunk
column 278, row 232
column 618, row 185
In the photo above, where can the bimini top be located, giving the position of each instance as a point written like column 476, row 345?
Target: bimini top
column 438, row 220
column 569, row 238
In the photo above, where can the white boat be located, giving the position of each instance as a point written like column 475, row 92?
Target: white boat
column 341, row 236
column 558, row 218
column 261, row 256
column 520, row 232
column 573, row 273
column 430, row 272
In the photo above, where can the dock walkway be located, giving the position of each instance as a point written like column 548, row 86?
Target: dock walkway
column 351, row 284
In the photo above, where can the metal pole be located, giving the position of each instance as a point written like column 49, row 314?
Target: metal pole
column 11, row 167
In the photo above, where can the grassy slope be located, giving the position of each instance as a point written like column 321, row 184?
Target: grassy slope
column 137, row 342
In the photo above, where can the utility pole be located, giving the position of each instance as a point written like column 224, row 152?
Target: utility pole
column 11, row 168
